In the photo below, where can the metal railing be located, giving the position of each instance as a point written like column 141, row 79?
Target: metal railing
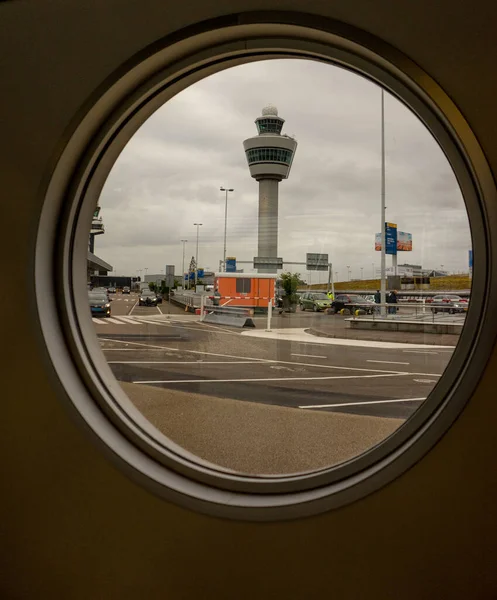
column 407, row 311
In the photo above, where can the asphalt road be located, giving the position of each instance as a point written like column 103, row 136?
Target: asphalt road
column 167, row 348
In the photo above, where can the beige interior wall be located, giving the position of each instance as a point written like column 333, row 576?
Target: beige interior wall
column 73, row 526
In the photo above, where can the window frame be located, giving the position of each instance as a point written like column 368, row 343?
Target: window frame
column 86, row 384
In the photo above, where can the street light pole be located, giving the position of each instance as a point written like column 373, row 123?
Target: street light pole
column 196, row 255
column 183, row 263
column 362, row 269
column 348, row 271
column 383, row 290
column 223, row 189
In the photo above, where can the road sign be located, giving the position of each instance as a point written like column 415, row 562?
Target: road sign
column 470, row 260
column 316, row 262
column 231, row 264
column 267, row 262
column 390, row 238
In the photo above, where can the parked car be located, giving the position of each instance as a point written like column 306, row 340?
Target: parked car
column 159, row 298
column 99, row 304
column 315, row 301
column 353, row 302
column 111, row 290
column 147, row 298
column 450, row 303
column 126, row 290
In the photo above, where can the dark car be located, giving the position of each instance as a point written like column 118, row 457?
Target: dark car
column 147, row 298
column 451, row 303
column 126, row 290
column 159, row 298
column 99, row 304
column 353, row 302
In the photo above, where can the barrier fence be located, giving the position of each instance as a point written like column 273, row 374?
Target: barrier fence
column 417, row 311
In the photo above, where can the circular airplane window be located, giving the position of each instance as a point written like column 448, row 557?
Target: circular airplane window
column 267, row 278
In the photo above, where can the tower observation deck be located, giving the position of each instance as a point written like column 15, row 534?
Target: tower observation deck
column 269, row 156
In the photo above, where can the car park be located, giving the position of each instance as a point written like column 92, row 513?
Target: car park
column 99, row 304
column 147, row 298
column 315, row 301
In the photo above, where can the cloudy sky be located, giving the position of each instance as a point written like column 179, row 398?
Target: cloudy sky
column 168, row 176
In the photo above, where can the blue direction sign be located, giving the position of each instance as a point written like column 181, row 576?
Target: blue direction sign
column 390, row 238
column 470, row 259
column 231, row 264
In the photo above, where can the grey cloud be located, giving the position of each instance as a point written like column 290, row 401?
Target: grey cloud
column 168, row 177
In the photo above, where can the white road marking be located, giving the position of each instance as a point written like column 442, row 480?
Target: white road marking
column 310, row 355
column 419, row 352
column 128, row 320
column 272, row 379
column 182, row 362
column 268, row 360
column 362, row 403
column 300, row 335
column 111, row 320
column 424, row 380
column 160, row 312
column 132, row 308
column 388, row 362
column 99, row 321
column 131, row 349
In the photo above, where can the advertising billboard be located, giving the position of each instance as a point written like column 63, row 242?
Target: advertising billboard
column 404, row 241
column 397, row 241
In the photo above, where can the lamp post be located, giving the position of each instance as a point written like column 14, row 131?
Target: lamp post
column 348, row 271
column 223, row 189
column 197, row 225
column 383, row 283
column 183, row 263
column 362, row 269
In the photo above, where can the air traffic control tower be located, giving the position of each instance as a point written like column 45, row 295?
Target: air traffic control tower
column 269, row 156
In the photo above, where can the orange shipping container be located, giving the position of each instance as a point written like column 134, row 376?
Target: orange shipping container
column 253, row 290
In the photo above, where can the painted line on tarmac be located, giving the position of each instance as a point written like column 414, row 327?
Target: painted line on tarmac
column 128, row 320
column 388, row 362
column 182, row 362
column 362, row 403
column 271, row 361
column 133, row 349
column 311, row 356
column 160, row 312
column 132, row 308
column 98, row 321
column 269, row 379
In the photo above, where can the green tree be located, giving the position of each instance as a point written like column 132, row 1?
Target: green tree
column 290, row 282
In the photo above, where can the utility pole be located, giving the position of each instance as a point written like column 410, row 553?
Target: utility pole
column 383, row 286
column 223, row 189
column 196, row 255
column 183, row 264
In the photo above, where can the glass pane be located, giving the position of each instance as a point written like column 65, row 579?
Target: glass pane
column 330, row 377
